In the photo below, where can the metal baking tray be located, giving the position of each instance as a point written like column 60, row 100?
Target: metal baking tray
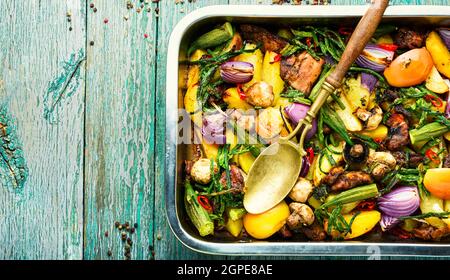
column 200, row 20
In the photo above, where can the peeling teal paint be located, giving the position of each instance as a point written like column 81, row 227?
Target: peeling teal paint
column 13, row 168
column 64, row 85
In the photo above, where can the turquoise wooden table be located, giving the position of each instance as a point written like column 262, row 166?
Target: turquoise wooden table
column 82, row 132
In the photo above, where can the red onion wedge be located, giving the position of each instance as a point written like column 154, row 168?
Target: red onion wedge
column 445, row 35
column 305, row 167
column 213, row 129
column 297, row 112
column 236, row 72
column 388, row 222
column 368, row 81
column 375, row 58
column 402, row 201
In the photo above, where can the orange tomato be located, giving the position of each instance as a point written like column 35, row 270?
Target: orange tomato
column 409, row 69
column 437, row 182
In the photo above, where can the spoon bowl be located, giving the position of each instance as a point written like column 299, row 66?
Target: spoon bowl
column 278, row 165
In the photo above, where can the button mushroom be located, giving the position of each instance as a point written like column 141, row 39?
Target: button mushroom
column 356, row 155
column 301, row 215
column 301, row 190
column 201, row 171
column 371, row 118
column 380, row 163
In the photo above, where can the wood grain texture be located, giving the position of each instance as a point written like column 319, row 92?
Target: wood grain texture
column 43, row 220
column 120, row 117
column 166, row 245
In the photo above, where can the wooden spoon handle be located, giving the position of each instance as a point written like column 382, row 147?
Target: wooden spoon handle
column 359, row 39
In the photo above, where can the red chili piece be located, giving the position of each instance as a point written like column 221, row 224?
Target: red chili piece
column 436, row 101
column 400, row 233
column 345, row 31
column 241, row 92
column 277, row 58
column 388, row 47
column 310, row 152
column 366, row 205
column 378, row 140
column 308, row 42
column 204, row 202
column 433, row 156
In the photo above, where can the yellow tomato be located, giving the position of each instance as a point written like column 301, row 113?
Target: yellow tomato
column 264, row 225
column 437, row 182
column 409, row 69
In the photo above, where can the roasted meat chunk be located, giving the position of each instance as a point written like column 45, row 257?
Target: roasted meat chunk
column 301, row 71
column 409, row 39
column 314, row 232
column 398, row 132
column 340, row 180
column 270, row 42
column 428, row 232
column 351, row 179
column 332, row 176
column 236, row 178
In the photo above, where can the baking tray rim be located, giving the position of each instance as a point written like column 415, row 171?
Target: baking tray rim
column 348, row 248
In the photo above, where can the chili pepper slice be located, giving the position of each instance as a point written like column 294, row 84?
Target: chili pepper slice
column 366, row 205
column 436, row 101
column 388, row 47
column 345, row 30
column 204, row 202
column 400, row 233
column 310, row 152
column 277, row 58
column 433, row 156
column 308, row 42
column 378, row 140
column 241, row 92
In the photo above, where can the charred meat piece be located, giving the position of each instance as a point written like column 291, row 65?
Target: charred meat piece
column 351, row 179
column 428, row 232
column 332, row 176
column 390, row 95
column 409, row 39
column 314, row 232
column 398, row 132
column 301, row 71
column 446, row 161
column 270, row 42
column 414, row 159
column 236, row 178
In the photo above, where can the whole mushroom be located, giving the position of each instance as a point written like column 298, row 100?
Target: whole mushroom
column 301, row 215
column 201, row 171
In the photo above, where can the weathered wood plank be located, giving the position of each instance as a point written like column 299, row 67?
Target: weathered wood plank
column 44, row 219
column 119, row 128
column 166, row 245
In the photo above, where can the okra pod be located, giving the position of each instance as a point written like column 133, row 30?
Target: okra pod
column 424, row 134
column 213, row 38
column 198, row 215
